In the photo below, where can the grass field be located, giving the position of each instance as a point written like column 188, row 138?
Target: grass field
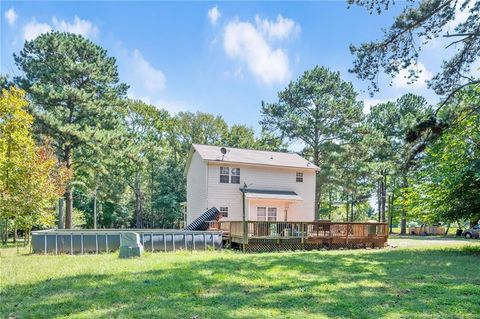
column 438, row 281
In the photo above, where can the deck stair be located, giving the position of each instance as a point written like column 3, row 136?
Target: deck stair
column 202, row 222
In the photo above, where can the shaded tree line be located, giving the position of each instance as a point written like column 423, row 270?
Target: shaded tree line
column 122, row 160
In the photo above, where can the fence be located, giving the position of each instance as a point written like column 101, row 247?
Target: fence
column 96, row 241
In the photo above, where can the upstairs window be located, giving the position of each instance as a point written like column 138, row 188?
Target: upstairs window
column 224, row 175
column 235, row 178
column 299, row 177
column 223, row 211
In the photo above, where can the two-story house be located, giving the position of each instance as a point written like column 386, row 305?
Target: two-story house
column 276, row 186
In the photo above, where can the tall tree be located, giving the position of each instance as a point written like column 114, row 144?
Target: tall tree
column 74, row 88
column 420, row 23
column 390, row 123
column 142, row 148
column 319, row 110
column 446, row 186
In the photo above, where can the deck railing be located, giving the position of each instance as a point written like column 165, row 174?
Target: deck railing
column 304, row 230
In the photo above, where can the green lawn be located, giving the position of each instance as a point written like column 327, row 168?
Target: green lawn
column 436, row 282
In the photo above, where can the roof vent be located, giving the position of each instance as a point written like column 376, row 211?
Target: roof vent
column 223, row 150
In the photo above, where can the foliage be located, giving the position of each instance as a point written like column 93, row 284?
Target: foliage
column 447, row 184
column 319, row 110
column 418, row 24
column 30, row 178
column 74, row 90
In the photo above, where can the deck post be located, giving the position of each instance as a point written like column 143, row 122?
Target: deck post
column 106, row 242
column 302, row 236
column 348, row 230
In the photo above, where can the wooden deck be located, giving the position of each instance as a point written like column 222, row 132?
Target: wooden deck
column 274, row 235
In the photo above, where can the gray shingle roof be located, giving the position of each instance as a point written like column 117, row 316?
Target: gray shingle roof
column 244, row 156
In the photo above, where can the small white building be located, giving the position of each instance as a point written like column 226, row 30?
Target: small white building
column 277, row 186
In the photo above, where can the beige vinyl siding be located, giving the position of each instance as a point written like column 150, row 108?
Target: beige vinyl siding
column 262, row 177
column 197, row 188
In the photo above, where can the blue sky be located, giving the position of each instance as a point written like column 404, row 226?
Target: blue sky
column 217, row 57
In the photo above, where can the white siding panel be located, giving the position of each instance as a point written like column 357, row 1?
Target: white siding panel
column 261, row 177
column 196, row 188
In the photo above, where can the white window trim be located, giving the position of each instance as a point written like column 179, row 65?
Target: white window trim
column 227, row 174
column 299, row 177
column 235, row 175
column 267, row 214
column 223, row 210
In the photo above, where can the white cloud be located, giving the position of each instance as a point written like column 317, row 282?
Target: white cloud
column 283, row 28
column 33, row 29
column 11, row 16
column 213, row 15
column 147, row 82
column 250, row 46
column 402, row 81
column 144, row 74
column 78, row 26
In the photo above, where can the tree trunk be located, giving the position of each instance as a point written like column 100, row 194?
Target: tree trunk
column 329, row 203
column 4, row 231
column 384, row 196
column 379, row 201
column 69, row 190
column 95, row 209
column 389, row 199
column 351, row 208
column 403, row 224
column 138, row 203
column 448, row 228
column 347, row 207
column 61, row 214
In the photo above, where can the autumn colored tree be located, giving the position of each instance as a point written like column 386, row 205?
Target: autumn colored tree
column 30, row 178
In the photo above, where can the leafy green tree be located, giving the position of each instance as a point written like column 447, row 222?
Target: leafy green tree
column 75, row 91
column 319, row 110
column 142, row 148
column 195, row 128
column 30, row 179
column 419, row 23
column 447, row 183
column 240, row 136
column 390, row 124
